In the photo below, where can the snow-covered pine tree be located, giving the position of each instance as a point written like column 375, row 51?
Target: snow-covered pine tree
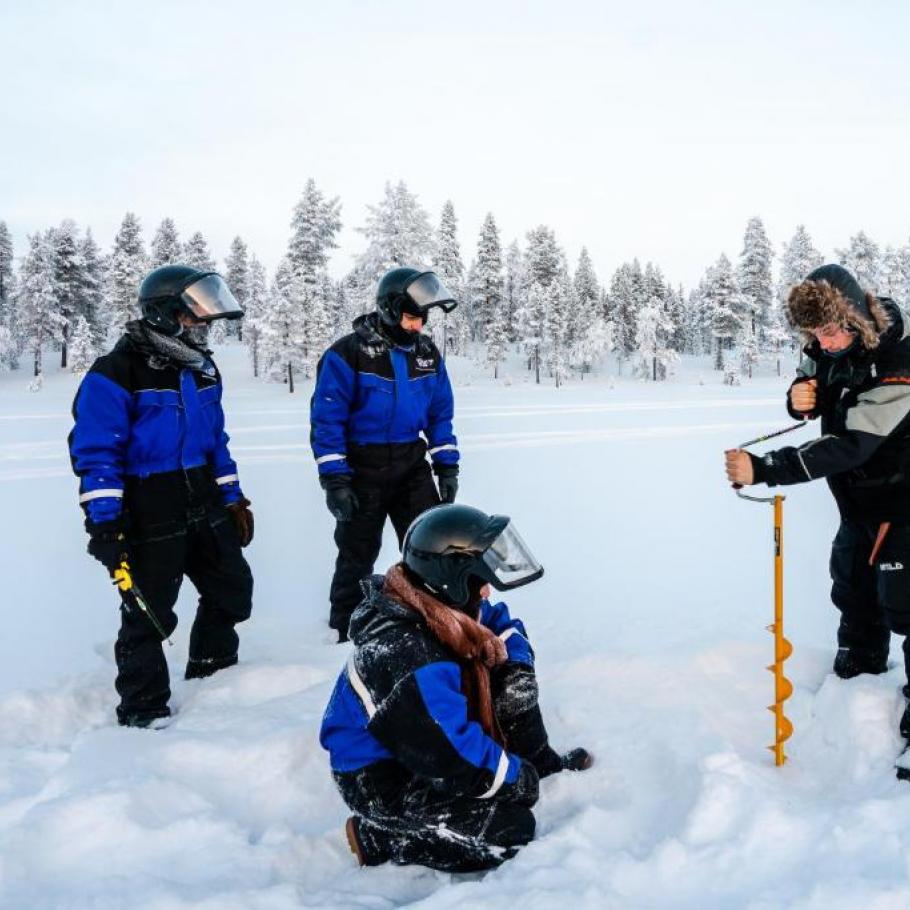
column 798, row 259
column 863, row 258
column 126, row 267
column 449, row 267
column 497, row 335
column 559, row 324
column 6, row 268
column 754, row 273
column 531, row 319
column 237, row 276
column 487, row 277
column 625, row 298
column 166, row 247
column 283, row 327
column 894, row 277
column 196, row 253
column 543, row 256
column 729, row 309
column 69, row 278
column 82, row 346
column 587, row 288
column 398, row 233
column 318, row 306
column 40, row 318
column 314, row 224
column 256, row 311
column 749, row 351
column 779, row 336
column 91, row 302
column 514, row 288
column 586, row 310
column 652, row 325
column 10, row 340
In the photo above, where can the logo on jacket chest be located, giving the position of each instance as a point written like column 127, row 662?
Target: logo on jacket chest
column 425, row 363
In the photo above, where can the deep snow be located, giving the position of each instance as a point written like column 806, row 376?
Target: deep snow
column 649, row 628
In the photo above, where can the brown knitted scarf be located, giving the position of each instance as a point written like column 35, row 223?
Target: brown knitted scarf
column 477, row 648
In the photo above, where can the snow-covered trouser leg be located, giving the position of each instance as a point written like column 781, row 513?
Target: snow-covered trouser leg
column 855, row 593
column 217, row 568
column 515, row 700
column 142, row 674
column 416, row 824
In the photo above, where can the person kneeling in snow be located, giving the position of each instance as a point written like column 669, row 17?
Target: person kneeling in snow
column 856, row 377
column 434, row 731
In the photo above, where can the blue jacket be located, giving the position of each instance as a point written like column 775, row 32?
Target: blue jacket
column 400, row 698
column 370, row 392
column 135, row 421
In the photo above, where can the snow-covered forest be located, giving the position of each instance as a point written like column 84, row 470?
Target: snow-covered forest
column 66, row 295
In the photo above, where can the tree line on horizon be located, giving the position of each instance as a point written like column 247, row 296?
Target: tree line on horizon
column 67, row 296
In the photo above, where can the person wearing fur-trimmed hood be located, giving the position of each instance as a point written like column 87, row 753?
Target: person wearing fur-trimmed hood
column 855, row 377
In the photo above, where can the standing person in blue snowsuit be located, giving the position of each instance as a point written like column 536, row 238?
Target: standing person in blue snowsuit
column 434, row 731
column 159, row 488
column 382, row 401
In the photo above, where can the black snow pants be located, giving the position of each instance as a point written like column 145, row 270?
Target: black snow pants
column 178, row 526
column 410, row 820
column 873, row 600
column 391, row 481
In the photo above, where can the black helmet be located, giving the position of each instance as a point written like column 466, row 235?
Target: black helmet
column 448, row 545
column 405, row 290
column 172, row 289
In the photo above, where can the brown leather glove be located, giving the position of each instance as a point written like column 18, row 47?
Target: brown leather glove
column 243, row 520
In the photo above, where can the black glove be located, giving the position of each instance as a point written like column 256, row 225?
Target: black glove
column 447, row 481
column 243, row 520
column 340, row 496
column 108, row 544
column 526, row 789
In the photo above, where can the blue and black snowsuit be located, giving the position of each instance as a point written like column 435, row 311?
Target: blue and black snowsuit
column 428, row 784
column 151, row 452
column 376, row 411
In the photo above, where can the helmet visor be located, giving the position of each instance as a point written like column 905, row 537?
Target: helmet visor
column 210, row 298
column 510, row 561
column 427, row 291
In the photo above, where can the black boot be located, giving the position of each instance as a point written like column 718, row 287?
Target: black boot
column 199, row 668
column 142, row 719
column 851, row 662
column 362, row 845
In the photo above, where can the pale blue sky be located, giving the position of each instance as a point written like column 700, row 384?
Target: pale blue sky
column 649, row 129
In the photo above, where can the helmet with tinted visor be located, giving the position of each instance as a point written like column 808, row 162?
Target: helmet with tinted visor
column 173, row 289
column 210, row 298
column 405, row 290
column 448, row 545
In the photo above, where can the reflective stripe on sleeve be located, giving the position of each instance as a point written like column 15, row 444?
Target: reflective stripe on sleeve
column 362, row 692
column 101, row 494
column 324, row 458
column 228, row 478
column 501, row 771
column 448, row 445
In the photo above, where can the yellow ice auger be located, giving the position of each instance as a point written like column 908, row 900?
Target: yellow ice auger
column 783, row 688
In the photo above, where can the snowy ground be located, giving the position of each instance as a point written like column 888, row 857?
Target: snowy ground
column 649, row 631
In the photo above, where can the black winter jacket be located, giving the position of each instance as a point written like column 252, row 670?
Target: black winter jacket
column 863, row 400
